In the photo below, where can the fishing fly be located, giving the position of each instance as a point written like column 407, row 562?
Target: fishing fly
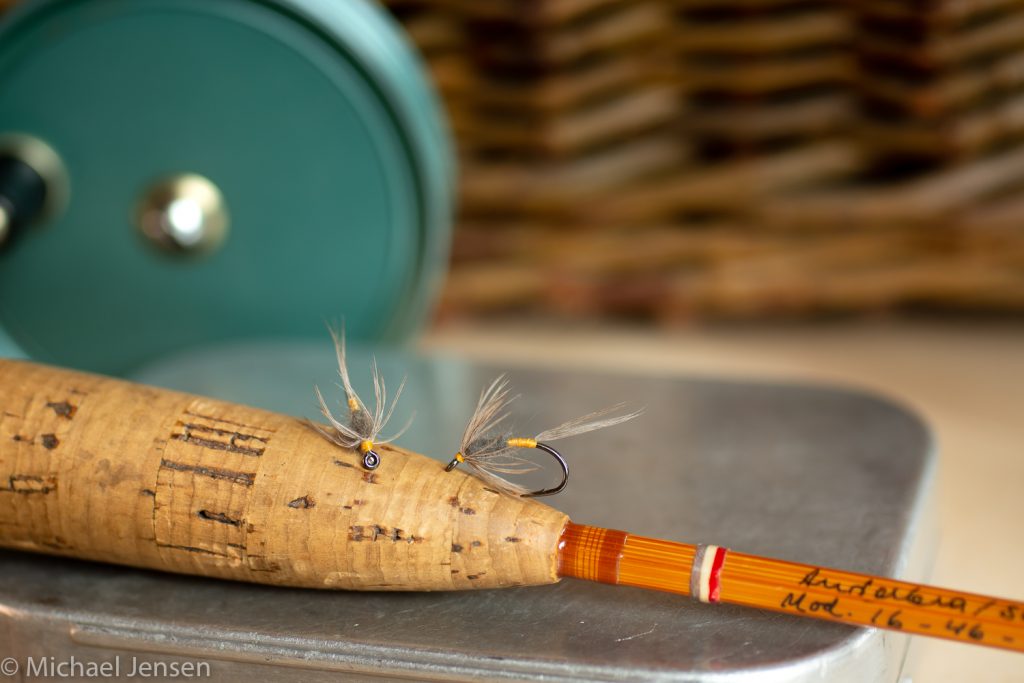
column 491, row 451
column 363, row 430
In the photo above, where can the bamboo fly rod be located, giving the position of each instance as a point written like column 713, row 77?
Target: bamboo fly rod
column 106, row 470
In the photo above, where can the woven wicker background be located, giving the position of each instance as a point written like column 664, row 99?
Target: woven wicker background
column 732, row 158
column 681, row 159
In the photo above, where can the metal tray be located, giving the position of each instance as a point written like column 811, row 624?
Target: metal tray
column 812, row 474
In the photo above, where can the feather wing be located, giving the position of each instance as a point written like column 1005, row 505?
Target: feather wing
column 588, row 423
column 338, row 337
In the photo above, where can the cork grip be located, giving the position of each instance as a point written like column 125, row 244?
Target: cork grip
column 107, row 470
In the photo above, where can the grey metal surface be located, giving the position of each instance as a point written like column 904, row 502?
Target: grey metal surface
column 809, row 474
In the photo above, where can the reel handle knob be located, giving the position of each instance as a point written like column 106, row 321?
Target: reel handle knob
column 23, row 194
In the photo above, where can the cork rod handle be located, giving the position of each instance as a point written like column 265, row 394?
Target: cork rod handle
column 107, row 470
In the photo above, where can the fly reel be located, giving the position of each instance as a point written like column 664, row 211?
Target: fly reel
column 177, row 173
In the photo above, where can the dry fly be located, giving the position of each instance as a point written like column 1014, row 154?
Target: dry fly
column 363, row 429
column 490, row 450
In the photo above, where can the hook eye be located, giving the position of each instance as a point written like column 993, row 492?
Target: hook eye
column 565, row 473
column 371, row 460
column 452, row 465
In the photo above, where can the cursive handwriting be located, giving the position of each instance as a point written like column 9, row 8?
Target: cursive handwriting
column 868, row 588
column 802, row 605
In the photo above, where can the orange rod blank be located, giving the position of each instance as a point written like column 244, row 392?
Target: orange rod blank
column 714, row 574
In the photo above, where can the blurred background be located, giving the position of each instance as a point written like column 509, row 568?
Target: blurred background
column 673, row 161
column 731, row 159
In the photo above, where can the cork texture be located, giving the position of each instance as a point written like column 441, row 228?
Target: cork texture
column 107, row 470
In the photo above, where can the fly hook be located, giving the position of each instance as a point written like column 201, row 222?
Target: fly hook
column 491, row 453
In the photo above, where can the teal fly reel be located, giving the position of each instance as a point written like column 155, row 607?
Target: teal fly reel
column 181, row 173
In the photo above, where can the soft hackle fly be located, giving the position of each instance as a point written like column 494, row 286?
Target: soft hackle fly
column 362, row 432
column 490, row 451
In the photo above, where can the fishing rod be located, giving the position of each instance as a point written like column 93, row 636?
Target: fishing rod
column 102, row 469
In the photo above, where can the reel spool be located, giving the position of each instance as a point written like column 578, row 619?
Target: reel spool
column 179, row 173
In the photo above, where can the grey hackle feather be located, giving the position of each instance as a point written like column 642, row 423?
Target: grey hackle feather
column 486, row 450
column 362, row 424
column 490, row 412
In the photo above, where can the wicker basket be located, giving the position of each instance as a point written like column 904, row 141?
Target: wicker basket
column 738, row 158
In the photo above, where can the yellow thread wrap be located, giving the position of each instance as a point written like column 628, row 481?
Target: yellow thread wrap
column 460, row 457
column 365, row 446
column 353, row 404
column 520, row 442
